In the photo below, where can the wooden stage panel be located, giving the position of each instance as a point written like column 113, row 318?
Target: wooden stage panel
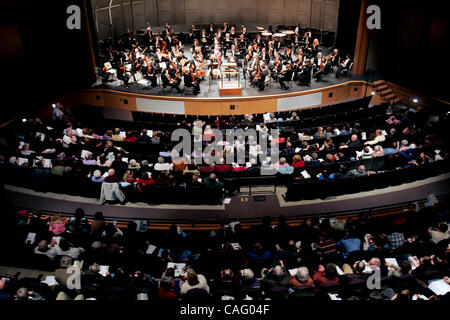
column 224, row 107
column 220, row 106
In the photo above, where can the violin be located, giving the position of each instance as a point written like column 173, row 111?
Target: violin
column 257, row 76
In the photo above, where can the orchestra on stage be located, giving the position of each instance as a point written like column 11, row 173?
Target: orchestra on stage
column 281, row 56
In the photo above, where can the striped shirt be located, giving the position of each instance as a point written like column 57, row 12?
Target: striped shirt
column 326, row 247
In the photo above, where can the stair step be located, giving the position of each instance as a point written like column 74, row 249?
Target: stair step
column 389, row 97
column 379, row 83
column 386, row 92
column 382, row 87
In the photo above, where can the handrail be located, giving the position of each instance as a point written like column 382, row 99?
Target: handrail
column 198, row 223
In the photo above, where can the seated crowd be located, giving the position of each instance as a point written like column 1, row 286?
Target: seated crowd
column 344, row 144
column 318, row 258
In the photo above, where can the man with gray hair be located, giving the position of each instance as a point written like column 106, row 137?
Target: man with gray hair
column 162, row 166
column 301, row 278
column 275, row 277
column 24, row 294
column 50, row 251
column 248, row 280
column 61, row 274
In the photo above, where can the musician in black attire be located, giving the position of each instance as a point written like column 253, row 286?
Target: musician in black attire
column 343, row 65
column 263, row 73
column 136, row 66
column 243, row 43
column 150, row 75
column 170, row 80
column 285, row 75
column 122, row 75
column 189, row 81
column 304, row 77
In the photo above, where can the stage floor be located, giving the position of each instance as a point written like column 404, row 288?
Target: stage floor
column 210, row 88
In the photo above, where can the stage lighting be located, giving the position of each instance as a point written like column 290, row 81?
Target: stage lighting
column 372, row 93
column 415, row 100
column 24, row 120
column 54, row 106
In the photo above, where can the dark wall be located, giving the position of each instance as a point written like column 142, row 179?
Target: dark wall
column 348, row 25
column 46, row 58
column 412, row 46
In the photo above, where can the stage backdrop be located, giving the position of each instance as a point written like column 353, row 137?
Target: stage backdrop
column 118, row 15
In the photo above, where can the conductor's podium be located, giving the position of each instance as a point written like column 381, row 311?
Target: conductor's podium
column 230, row 80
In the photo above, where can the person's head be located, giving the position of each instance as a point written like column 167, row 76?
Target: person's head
column 212, row 177
column 227, row 275
column 330, row 271
column 404, row 143
column 192, row 277
column 247, row 274
column 111, row 172
column 65, row 262
column 404, row 295
column 94, row 268
column 160, row 160
column 362, row 168
column 2, row 285
column 79, row 213
column 42, row 246
column 278, row 272
column 22, row 294
column 98, row 216
column 97, row 174
column 360, row 266
column 96, row 245
column 405, row 266
column 354, row 137
column 13, row 160
column 282, row 161
column 302, row 274
column 375, row 263
column 297, row 158
column 167, row 283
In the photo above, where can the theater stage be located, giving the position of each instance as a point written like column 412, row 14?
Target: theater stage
column 210, row 88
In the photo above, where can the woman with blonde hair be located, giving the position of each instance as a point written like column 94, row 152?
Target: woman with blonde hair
column 58, row 225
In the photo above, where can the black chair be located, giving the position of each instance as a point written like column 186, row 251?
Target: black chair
column 278, row 293
column 254, row 293
column 329, row 288
column 196, row 295
column 303, row 292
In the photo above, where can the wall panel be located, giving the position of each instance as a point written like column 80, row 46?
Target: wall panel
column 320, row 14
column 140, row 19
column 199, row 106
